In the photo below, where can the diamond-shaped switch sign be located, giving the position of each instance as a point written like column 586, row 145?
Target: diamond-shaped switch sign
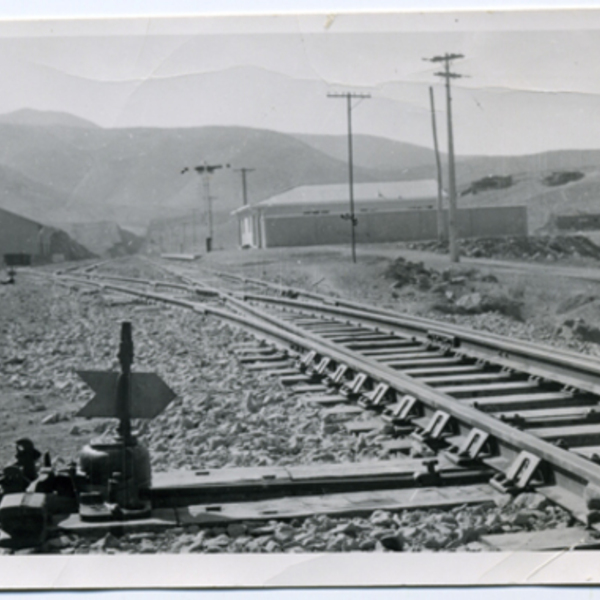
column 149, row 395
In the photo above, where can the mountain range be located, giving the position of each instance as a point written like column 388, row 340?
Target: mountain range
column 60, row 169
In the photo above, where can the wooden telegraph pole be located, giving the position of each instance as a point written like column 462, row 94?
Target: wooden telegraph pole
column 448, row 75
column 441, row 230
column 205, row 170
column 243, row 171
column 351, row 216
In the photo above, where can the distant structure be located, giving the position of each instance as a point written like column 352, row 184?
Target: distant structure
column 176, row 234
column 385, row 211
column 105, row 238
column 22, row 236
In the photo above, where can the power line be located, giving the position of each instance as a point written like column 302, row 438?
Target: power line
column 448, row 75
column 350, row 217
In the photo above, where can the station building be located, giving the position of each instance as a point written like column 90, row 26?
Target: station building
column 385, row 212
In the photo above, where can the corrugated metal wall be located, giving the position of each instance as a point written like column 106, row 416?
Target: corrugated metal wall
column 311, row 230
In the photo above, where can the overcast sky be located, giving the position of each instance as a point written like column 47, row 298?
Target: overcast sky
column 532, row 84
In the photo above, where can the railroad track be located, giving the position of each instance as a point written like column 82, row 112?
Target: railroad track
column 459, row 409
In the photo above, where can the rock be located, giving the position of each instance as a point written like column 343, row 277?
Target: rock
column 235, row 530
column 489, row 278
column 239, row 544
column 58, row 543
column 107, row 542
column 350, row 529
column 408, row 533
column 493, row 521
column 336, row 542
column 51, row 419
column 527, row 516
column 272, row 546
column 368, row 544
column 262, row 530
column 469, row 534
column 503, row 500
column 188, row 423
column 583, row 331
column 530, row 501
column 147, row 547
column 284, row 533
column 217, row 542
column 197, row 544
column 141, row 535
column 435, row 541
column 324, row 523
column 381, row 518
column 573, row 302
column 393, row 542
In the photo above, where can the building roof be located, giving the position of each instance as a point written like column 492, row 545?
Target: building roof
column 18, row 216
column 338, row 192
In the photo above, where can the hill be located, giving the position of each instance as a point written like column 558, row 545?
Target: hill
column 372, row 152
column 61, row 169
column 132, row 176
column 28, row 116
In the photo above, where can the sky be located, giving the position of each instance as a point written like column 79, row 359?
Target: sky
column 530, row 84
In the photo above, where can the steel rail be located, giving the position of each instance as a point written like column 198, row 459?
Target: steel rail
column 418, row 325
column 568, row 368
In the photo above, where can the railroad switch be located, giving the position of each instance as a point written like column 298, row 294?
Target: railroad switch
column 114, row 474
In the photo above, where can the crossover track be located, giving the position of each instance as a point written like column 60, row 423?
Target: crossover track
column 526, row 415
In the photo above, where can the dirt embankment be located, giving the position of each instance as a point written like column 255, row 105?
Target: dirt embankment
column 541, row 248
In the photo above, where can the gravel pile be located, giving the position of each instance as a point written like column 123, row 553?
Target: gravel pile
column 543, row 248
column 457, row 291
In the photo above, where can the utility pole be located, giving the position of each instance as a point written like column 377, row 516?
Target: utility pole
column 448, row 75
column 243, row 171
column 440, row 184
column 205, row 170
column 350, row 217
